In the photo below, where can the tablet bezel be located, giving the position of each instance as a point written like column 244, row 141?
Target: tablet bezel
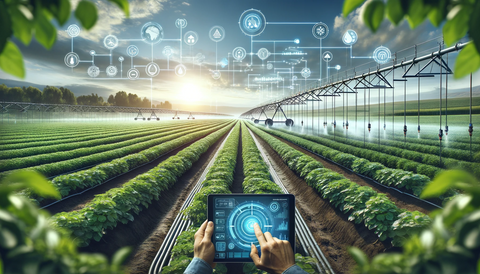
column 291, row 225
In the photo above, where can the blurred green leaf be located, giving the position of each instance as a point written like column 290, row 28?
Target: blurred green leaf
column 350, row 5
column 22, row 27
column 395, row 11
column 456, row 27
column 438, row 13
column 11, row 60
column 417, row 12
column 468, row 61
column 6, row 26
column 34, row 181
column 373, row 14
column 123, row 4
column 474, row 25
column 446, row 180
column 86, row 13
column 62, row 11
column 121, row 255
column 358, row 256
column 45, row 32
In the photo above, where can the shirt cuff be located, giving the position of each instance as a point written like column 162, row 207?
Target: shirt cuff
column 294, row 269
column 198, row 266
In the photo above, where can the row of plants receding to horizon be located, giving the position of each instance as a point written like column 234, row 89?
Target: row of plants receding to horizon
column 119, row 205
column 363, row 204
column 80, row 180
column 57, row 168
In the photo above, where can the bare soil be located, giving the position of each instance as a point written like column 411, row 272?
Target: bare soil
column 329, row 226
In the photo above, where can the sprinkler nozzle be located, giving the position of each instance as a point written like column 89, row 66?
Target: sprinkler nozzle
column 405, row 130
column 334, row 124
column 369, row 127
column 440, row 134
column 418, row 128
column 346, row 124
column 446, row 130
column 470, row 129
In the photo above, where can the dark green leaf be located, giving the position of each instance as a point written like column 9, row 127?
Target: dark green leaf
column 438, row 13
column 373, row 14
column 36, row 182
column 120, row 256
column 102, row 218
column 358, row 256
column 86, row 13
column 11, row 60
column 6, row 23
column 417, row 12
column 468, row 61
column 474, row 30
column 63, row 12
column 45, row 32
column 22, row 27
column 456, row 27
column 350, row 5
column 123, row 4
column 395, row 11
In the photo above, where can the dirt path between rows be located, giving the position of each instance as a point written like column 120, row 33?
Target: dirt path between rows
column 401, row 200
column 330, row 227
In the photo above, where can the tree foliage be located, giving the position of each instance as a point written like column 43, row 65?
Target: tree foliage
column 24, row 19
column 460, row 18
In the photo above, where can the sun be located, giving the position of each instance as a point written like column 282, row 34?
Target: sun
column 190, row 92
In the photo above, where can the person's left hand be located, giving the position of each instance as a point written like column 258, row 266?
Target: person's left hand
column 203, row 247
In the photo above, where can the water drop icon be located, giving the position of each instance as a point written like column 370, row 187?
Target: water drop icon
column 180, row 71
column 347, row 38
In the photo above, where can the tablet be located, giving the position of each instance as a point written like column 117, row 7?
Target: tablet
column 234, row 216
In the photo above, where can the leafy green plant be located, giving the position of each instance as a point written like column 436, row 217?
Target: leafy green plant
column 29, row 244
column 22, row 19
column 449, row 244
column 460, row 17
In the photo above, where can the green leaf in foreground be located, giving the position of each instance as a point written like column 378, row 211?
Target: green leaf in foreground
column 373, row 14
column 86, row 13
column 45, row 32
column 358, row 256
column 456, row 27
column 445, row 180
column 11, row 60
column 468, row 61
column 22, row 27
column 474, row 24
column 6, row 26
column 123, row 4
column 350, row 5
column 120, row 256
column 395, row 11
column 34, row 181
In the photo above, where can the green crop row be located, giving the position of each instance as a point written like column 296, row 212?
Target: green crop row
column 72, row 138
column 257, row 181
column 398, row 178
column 426, row 164
column 416, row 152
column 42, row 159
column 59, row 135
column 218, row 180
column 77, row 181
column 375, row 210
column 257, row 177
column 30, row 161
column 57, row 168
column 119, row 137
column 116, row 205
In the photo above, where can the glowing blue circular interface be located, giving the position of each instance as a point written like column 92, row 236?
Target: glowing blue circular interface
column 252, row 22
column 241, row 220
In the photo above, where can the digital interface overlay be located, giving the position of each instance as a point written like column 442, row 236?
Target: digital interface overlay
column 234, row 217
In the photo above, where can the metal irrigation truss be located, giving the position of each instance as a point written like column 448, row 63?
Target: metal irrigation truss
column 25, row 107
column 373, row 79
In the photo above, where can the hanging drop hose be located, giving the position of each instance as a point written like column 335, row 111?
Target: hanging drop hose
column 404, row 112
column 470, row 126
column 384, row 108
column 440, row 132
column 446, row 100
column 347, row 115
column 418, row 100
column 369, row 125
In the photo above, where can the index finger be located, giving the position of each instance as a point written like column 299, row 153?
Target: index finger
column 259, row 234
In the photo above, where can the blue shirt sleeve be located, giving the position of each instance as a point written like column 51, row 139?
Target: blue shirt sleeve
column 294, row 269
column 198, row 266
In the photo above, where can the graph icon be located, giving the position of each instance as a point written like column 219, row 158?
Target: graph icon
column 281, row 215
column 283, row 226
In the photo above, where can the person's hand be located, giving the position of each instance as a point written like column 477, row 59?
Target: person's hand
column 203, row 247
column 277, row 255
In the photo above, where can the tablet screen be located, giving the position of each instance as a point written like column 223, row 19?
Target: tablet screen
column 235, row 214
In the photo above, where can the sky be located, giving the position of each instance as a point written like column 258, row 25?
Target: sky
column 286, row 21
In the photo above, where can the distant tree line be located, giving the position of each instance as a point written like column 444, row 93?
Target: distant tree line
column 54, row 95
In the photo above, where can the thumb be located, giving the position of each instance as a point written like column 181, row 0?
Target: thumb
column 254, row 255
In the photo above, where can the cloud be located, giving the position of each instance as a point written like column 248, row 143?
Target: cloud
column 186, row 4
column 112, row 20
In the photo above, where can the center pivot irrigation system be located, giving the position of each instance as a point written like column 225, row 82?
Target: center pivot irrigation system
column 373, row 79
